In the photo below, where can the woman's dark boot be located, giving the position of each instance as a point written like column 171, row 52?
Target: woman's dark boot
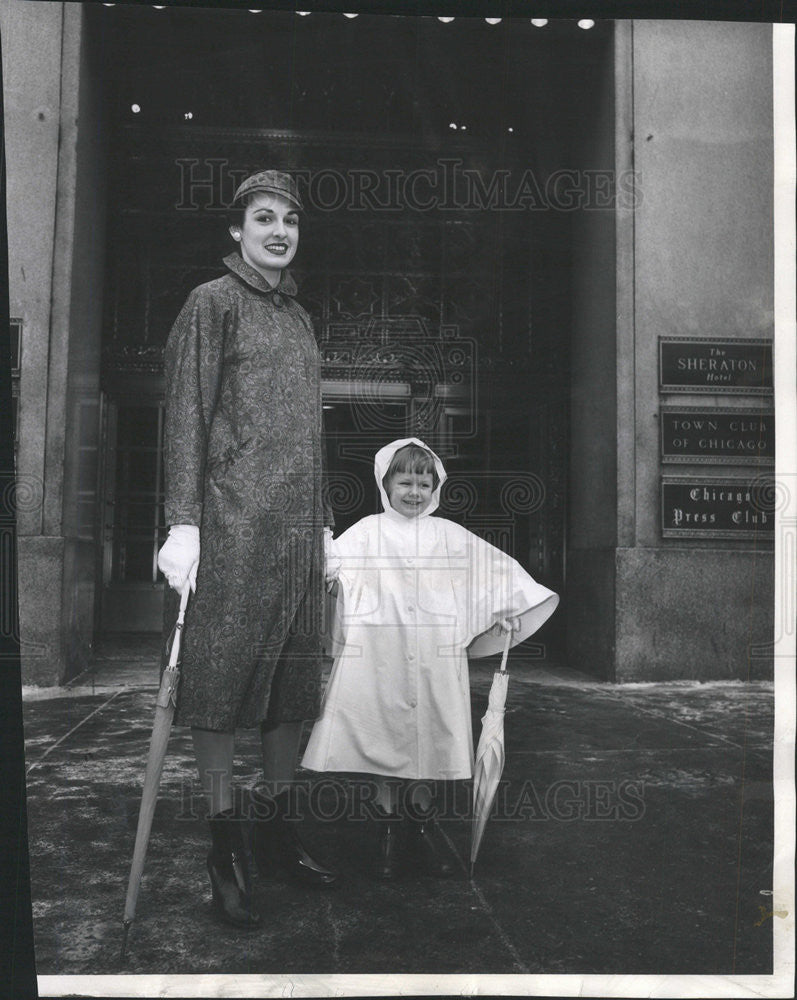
column 428, row 845
column 229, row 872
column 391, row 847
column 276, row 840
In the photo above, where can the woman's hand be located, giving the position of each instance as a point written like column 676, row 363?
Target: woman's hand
column 178, row 560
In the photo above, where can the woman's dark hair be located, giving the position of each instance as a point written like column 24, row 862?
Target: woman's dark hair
column 414, row 459
column 235, row 213
column 235, row 216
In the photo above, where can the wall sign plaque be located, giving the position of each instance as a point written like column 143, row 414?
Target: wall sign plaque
column 732, row 436
column 703, row 364
column 717, row 508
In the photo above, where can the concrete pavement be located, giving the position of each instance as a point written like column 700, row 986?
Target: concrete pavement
column 632, row 834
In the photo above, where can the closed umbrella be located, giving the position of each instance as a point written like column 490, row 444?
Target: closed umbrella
column 489, row 755
column 164, row 713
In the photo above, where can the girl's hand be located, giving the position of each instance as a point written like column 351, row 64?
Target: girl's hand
column 505, row 625
column 332, row 562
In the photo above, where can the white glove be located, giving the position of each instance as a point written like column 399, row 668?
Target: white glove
column 178, row 560
column 332, row 562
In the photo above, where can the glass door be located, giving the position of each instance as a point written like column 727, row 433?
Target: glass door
column 354, row 429
column 133, row 524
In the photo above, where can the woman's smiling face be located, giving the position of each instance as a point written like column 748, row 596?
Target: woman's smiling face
column 269, row 235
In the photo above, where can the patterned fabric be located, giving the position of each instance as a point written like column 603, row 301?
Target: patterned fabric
column 243, row 460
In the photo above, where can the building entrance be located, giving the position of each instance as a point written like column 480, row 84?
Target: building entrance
column 434, row 255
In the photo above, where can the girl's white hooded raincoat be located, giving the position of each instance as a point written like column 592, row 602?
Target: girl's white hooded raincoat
column 415, row 598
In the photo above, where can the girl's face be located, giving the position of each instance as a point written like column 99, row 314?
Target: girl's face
column 410, row 493
column 270, row 234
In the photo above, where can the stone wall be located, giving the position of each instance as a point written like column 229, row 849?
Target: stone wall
column 55, row 241
column 695, row 258
column 703, row 267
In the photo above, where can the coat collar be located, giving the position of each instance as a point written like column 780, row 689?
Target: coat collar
column 253, row 278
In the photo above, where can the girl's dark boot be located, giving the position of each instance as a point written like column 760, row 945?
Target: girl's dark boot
column 391, row 846
column 276, row 840
column 427, row 843
column 228, row 868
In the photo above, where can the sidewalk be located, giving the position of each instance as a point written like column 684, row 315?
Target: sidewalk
column 635, row 837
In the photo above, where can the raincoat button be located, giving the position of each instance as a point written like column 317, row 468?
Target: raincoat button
column 410, row 656
column 410, row 562
column 410, row 607
column 413, row 704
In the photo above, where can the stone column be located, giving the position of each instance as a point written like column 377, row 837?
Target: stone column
column 693, row 117
column 55, row 232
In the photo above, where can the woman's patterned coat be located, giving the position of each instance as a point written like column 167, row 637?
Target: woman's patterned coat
column 243, row 461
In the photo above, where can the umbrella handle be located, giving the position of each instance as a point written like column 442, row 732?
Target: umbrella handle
column 178, row 628
column 174, row 655
column 507, row 642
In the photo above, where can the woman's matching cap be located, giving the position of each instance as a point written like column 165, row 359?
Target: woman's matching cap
column 272, row 181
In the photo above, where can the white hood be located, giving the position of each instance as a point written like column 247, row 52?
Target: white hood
column 382, row 463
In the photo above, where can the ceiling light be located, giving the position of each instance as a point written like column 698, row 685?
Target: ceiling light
column 493, row 20
column 135, row 108
column 188, row 115
column 539, row 22
column 510, row 129
column 303, row 13
column 452, row 124
column 585, row 23
column 446, row 20
column 351, row 15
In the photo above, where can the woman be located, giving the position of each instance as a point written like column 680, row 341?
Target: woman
column 243, row 500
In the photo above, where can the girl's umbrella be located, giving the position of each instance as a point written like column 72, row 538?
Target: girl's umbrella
column 164, row 712
column 489, row 755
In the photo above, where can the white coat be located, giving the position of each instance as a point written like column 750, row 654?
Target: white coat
column 413, row 595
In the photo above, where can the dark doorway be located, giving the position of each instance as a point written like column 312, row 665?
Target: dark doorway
column 352, row 488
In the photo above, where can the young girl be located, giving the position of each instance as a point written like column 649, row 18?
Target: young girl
column 414, row 592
